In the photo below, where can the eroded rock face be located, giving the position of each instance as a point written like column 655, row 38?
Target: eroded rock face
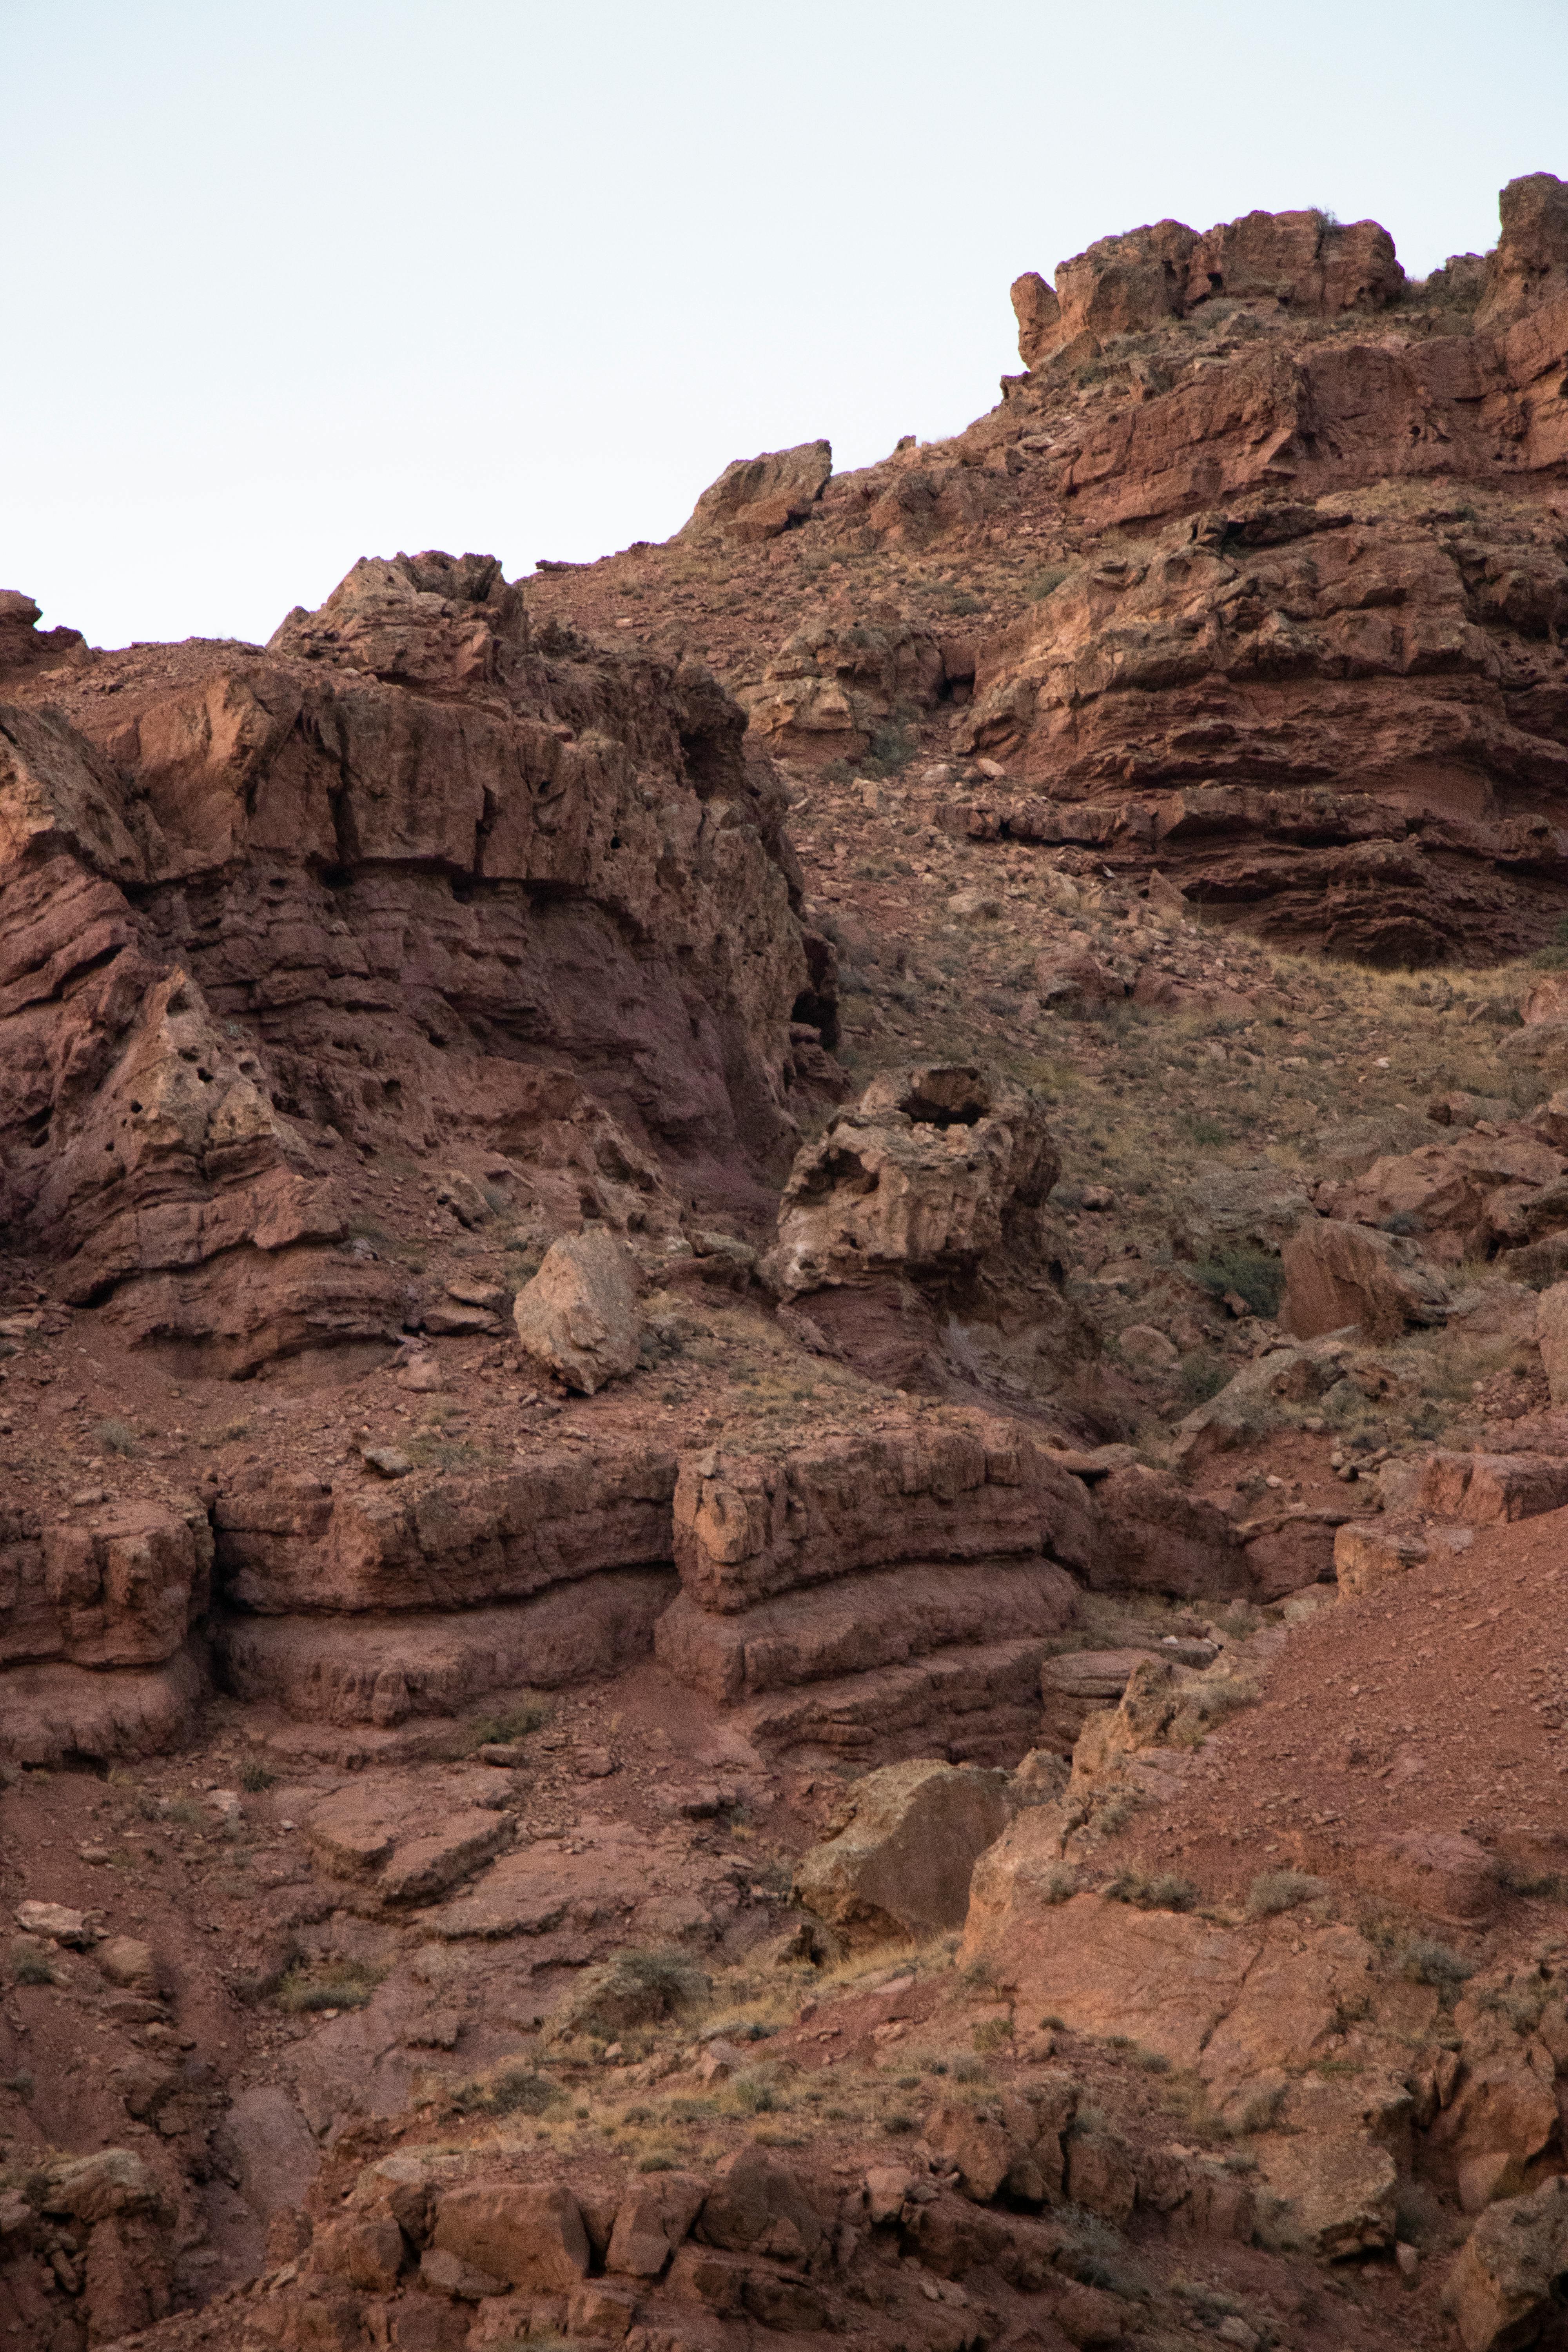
column 123, row 1588
column 888, row 1595
column 829, row 688
column 1300, row 261
column 395, row 876
column 1505, row 2285
column 1530, row 265
column 926, row 1173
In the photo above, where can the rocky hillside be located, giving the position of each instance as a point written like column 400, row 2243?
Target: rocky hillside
column 783, row 1386
column 1256, row 574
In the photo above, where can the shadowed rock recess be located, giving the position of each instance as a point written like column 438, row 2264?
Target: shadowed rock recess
column 783, row 1403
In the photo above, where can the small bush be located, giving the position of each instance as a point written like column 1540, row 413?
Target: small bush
column 1279, row 1890
column 1045, row 583
column 29, row 1966
column 1056, row 1884
column 1200, row 1376
column 512, row 2088
column 328, row 1984
column 1255, row 1275
column 898, row 2123
column 500, row 1730
column 637, row 1988
column 113, row 1436
column 1426, row 1961
column 654, row 2162
column 1164, row 1892
column 993, row 2033
column 254, row 1776
column 753, row 2094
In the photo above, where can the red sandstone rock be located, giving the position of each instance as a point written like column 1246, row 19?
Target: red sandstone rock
column 528, row 2235
column 294, row 1544
column 121, row 1588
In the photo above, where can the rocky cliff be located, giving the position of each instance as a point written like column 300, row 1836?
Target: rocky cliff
column 413, row 878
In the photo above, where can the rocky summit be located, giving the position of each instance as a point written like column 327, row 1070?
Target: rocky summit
column 783, row 1385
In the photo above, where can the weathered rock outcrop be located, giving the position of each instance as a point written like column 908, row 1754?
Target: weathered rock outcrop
column 396, row 878
column 928, row 1173
column 1506, row 2286
column 827, row 691
column 1339, row 718
column 1530, row 265
column 758, row 498
column 1303, row 262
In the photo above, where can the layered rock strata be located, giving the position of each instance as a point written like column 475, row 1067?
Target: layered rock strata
column 412, row 875
column 886, row 1595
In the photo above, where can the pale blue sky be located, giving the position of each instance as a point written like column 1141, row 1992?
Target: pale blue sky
column 285, row 286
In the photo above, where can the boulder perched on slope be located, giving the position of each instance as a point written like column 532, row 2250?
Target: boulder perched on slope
column 904, row 1862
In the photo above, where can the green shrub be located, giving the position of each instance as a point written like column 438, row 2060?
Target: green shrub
column 113, row 1436
column 327, row 1984
column 1279, row 1890
column 1426, row 1961
column 500, row 1730
column 254, row 1776
column 1164, row 1892
column 1200, row 1375
column 637, row 1987
column 1255, row 1275
column 514, row 2087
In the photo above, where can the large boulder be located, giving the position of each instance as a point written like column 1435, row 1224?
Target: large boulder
column 578, row 1316
column 1505, row 2289
column 1463, row 1197
column 758, row 498
column 1338, row 1274
column 903, row 1864
column 927, row 1172
column 529, row 2233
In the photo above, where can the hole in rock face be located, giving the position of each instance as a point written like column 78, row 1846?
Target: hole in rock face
column 955, row 1097
column 838, row 1171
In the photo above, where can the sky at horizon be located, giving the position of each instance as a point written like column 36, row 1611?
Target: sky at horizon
column 353, row 275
